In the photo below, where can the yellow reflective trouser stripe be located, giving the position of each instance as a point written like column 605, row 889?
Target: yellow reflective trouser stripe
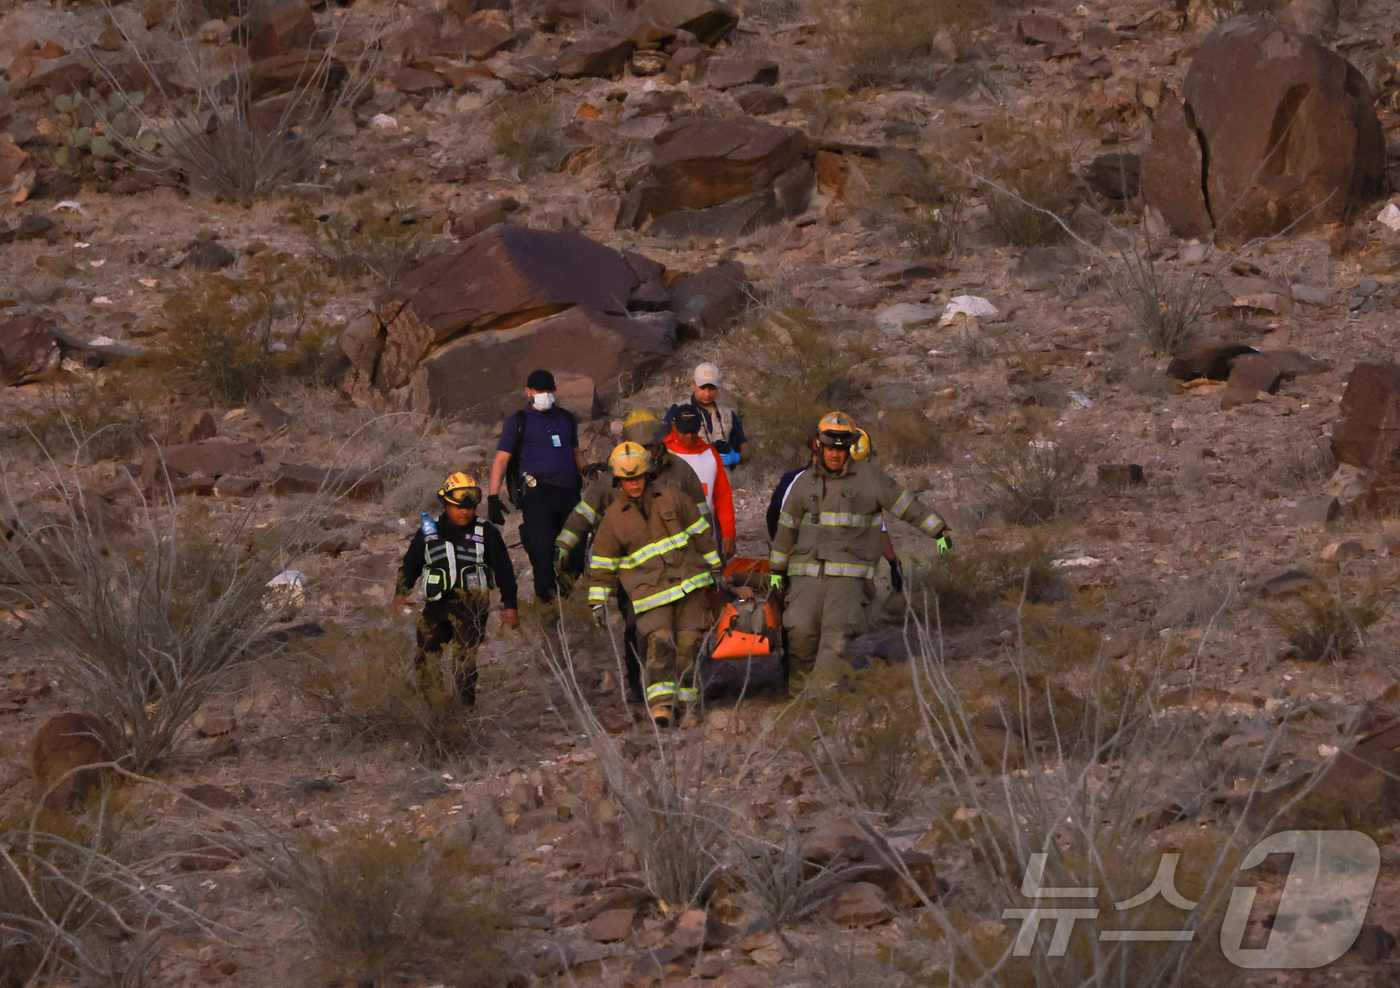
column 667, row 596
column 858, row 570
column 688, row 695
column 657, row 690
column 586, row 509
column 655, row 549
column 846, row 519
column 608, row 563
column 598, row 595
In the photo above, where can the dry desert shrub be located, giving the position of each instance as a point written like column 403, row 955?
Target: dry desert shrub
column 1084, row 791
column 892, row 43
column 906, row 436
column 144, row 619
column 961, row 586
column 367, row 244
column 1164, row 297
column 93, row 418
column 382, row 906
column 362, row 682
column 793, row 366
column 919, row 199
column 1328, row 623
column 1029, row 183
column 234, row 338
column 1038, row 478
column 529, row 128
column 867, row 743
column 774, row 873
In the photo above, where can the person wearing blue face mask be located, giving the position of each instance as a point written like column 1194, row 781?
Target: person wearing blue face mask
column 720, row 425
column 539, row 461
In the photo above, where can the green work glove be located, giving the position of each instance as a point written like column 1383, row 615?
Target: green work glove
column 777, row 582
column 944, row 543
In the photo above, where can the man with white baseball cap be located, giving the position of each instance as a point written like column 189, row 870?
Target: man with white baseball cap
column 720, row 425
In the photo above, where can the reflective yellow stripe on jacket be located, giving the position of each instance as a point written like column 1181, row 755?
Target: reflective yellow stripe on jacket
column 644, row 604
column 857, row 570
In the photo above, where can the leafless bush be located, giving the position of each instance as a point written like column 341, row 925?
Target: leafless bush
column 229, row 139
column 380, row 904
column 1038, row 478
column 528, row 131
column 1327, row 624
column 1164, row 302
column 1092, row 800
column 671, row 796
column 777, row 876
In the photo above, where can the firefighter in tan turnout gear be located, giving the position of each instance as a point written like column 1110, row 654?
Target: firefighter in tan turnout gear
column 644, row 428
column 655, row 545
column 828, row 542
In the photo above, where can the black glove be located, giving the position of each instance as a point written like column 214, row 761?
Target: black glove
column 496, row 510
column 593, row 469
column 896, row 575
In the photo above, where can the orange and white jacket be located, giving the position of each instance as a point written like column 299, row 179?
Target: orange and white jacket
column 719, row 496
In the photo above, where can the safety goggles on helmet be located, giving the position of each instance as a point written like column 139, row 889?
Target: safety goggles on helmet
column 837, row 431
column 629, row 461
column 461, row 491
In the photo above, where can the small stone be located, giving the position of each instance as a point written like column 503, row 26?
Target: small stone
column 213, row 723
column 1285, row 584
column 1121, row 475
column 1310, row 294
column 1339, row 551
column 612, row 925
column 859, row 904
column 1316, row 511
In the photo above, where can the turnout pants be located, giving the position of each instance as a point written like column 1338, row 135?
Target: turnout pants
column 821, row 615
column 542, row 518
column 673, row 633
column 460, row 618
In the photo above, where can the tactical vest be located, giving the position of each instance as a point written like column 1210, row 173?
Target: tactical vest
column 459, row 565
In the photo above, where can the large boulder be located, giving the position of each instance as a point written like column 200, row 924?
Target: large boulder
column 759, row 171
column 476, row 376
column 1272, row 129
column 1368, row 433
column 708, row 20
column 501, row 278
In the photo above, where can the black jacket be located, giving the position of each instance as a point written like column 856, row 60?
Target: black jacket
column 497, row 557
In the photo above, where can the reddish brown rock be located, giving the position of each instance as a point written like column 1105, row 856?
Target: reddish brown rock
column 66, row 74
column 412, row 80
column 1357, row 789
column 602, row 55
column 708, row 20
column 1042, row 29
column 503, row 277
column 758, row 100
column 210, row 458
column 277, row 26
column 726, row 73
column 1287, row 130
column 859, row 904
column 704, row 162
column 1368, row 432
column 62, row 746
column 710, row 300
column 29, row 351
column 301, row 478
column 1250, row 373
column 613, row 925
column 480, row 375
column 1206, row 358
column 12, row 159
column 483, row 34
column 196, row 426
column 295, row 70
column 1171, row 170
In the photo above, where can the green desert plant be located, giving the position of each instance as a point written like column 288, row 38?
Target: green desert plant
column 234, row 338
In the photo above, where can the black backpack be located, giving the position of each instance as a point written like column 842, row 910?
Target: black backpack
column 515, row 483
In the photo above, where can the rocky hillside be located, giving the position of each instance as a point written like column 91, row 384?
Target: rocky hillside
column 1111, row 285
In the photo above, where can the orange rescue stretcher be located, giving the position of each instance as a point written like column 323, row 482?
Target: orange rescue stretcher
column 748, row 628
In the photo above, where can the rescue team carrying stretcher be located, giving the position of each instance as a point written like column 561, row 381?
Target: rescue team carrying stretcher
column 659, row 518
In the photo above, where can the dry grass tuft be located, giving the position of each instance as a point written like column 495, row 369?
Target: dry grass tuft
column 961, row 586
column 1038, row 478
column 893, row 43
column 1327, row 624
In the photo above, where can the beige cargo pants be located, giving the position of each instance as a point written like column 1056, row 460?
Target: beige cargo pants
column 821, row 615
column 673, row 633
